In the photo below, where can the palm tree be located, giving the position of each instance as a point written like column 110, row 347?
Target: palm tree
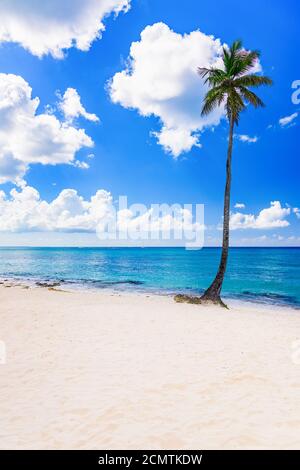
column 229, row 87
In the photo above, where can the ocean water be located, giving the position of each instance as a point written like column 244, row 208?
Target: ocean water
column 267, row 275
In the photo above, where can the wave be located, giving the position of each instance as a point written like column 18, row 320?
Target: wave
column 270, row 298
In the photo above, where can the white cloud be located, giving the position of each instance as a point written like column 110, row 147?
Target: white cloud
column 51, row 27
column 176, row 141
column 272, row 217
column 82, row 165
column 24, row 211
column 11, row 169
column 246, row 138
column 296, row 211
column 240, row 205
column 161, row 79
column 71, row 106
column 288, row 119
column 27, row 137
column 293, row 238
column 262, row 238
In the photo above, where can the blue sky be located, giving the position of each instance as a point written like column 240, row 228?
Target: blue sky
column 128, row 160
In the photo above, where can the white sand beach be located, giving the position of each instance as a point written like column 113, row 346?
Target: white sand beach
column 95, row 370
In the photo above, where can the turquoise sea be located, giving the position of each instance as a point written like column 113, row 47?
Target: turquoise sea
column 268, row 275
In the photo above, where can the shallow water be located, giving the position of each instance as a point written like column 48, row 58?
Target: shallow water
column 267, row 275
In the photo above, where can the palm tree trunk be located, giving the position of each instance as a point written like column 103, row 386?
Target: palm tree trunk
column 213, row 293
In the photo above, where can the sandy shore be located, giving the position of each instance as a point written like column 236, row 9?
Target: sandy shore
column 102, row 371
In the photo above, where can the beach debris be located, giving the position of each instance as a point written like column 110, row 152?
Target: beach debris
column 187, row 299
column 48, row 284
column 181, row 298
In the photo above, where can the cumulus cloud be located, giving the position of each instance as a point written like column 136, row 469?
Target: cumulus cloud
column 246, row 138
column 51, row 27
column 271, row 217
column 161, row 79
column 239, row 205
column 23, row 210
column 285, row 121
column 27, row 137
column 72, row 108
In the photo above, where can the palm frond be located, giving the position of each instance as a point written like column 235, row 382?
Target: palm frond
column 213, row 98
column 227, row 60
column 230, row 86
column 231, row 52
column 211, row 75
column 252, row 80
column 237, row 60
column 236, row 46
column 251, row 97
column 203, row 71
column 244, row 62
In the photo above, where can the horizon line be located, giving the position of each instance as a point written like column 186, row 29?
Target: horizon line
column 134, row 247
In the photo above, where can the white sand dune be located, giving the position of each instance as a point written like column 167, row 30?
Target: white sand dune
column 102, row 371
